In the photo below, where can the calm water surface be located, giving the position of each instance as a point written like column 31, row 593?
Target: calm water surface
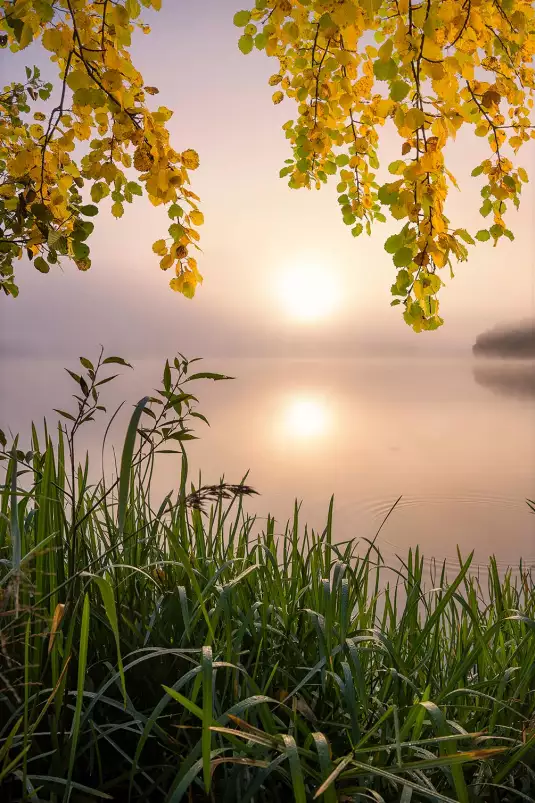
column 453, row 438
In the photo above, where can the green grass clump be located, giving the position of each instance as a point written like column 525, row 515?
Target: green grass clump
column 180, row 652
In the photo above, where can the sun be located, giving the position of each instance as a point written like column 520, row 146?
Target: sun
column 308, row 291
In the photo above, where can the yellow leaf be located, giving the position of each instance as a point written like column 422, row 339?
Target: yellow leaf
column 277, row 97
column 36, row 131
column 112, row 80
column 26, row 36
column 163, row 114
column 56, row 621
column 166, row 262
column 197, row 218
column 190, row 159
column 186, row 283
column 52, row 40
column 384, row 107
column 431, row 50
column 159, row 247
column 385, row 51
column 78, row 80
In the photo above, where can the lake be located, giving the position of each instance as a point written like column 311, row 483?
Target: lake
column 453, row 437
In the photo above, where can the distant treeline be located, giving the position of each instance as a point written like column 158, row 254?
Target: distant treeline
column 514, row 341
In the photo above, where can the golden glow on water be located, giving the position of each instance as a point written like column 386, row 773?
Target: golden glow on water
column 307, row 418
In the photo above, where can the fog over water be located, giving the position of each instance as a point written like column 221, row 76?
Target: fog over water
column 452, row 437
column 354, row 403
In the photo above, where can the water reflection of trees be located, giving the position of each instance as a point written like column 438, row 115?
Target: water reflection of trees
column 505, row 379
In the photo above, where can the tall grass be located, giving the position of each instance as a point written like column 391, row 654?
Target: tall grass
column 180, row 653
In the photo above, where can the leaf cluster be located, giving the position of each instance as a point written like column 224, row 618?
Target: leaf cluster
column 101, row 103
column 427, row 69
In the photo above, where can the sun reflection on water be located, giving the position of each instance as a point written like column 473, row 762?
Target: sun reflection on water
column 306, row 418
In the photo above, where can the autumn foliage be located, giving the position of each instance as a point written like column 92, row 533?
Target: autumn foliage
column 47, row 193
column 424, row 67
column 429, row 67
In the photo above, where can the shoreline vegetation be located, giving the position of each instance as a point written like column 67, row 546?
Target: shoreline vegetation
column 166, row 651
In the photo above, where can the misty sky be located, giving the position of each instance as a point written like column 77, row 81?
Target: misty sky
column 256, row 228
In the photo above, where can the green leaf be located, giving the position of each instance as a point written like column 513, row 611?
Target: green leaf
column 207, row 714
column 486, row 208
column 26, row 35
column 82, row 662
column 386, row 196
column 126, row 464
column 41, row 212
column 324, row 755
column 44, row 9
column 175, row 211
column 99, row 191
column 393, row 243
column 64, row 414
column 397, row 165
column 176, row 231
column 208, row 375
column 483, row 235
column 463, row 234
column 133, row 8
column 296, row 770
column 403, row 280
column 41, row 265
column 260, row 41
column 116, row 361
column 87, row 363
column 403, row 257
column 326, row 22
column 89, row 210
column 86, row 790
column 134, row 188
column 83, row 230
column 399, row 90
column 385, row 70
column 108, row 601
column 241, row 18
column 80, row 250
column 246, row 43
column 167, row 376
column 16, row 540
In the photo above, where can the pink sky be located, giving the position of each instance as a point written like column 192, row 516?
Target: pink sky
column 255, row 227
